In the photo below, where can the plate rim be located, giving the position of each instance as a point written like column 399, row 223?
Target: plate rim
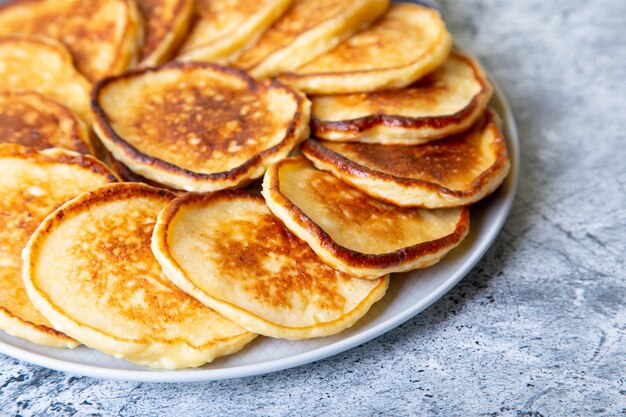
column 240, row 371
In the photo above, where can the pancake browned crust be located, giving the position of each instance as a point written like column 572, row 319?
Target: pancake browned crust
column 108, row 290
column 103, row 36
column 450, row 172
column 228, row 251
column 353, row 232
column 405, row 44
column 222, row 28
column 198, row 126
column 165, row 23
column 32, row 120
column 43, row 66
column 308, row 29
column 33, row 184
column 444, row 102
column 126, row 175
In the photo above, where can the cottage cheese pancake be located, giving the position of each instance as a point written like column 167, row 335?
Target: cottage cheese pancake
column 227, row 250
column 43, row 66
column 445, row 102
column 222, row 27
column 405, row 44
column 353, row 232
column 32, row 120
column 103, row 36
column 308, row 29
column 450, row 172
column 108, row 290
column 165, row 23
column 197, row 126
column 33, row 184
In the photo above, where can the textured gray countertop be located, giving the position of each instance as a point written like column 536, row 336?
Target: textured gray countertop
column 537, row 328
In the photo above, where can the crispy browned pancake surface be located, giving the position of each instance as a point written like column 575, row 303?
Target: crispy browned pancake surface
column 102, row 35
column 454, row 171
column 198, row 126
column 32, row 120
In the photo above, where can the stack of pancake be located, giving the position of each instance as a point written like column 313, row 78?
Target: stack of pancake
column 135, row 136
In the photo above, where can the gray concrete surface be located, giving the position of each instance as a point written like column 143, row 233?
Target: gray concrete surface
column 537, row 328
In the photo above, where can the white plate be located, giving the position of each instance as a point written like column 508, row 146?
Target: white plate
column 408, row 295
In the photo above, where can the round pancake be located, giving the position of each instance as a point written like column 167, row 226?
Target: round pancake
column 166, row 23
column 33, row 184
column 405, row 44
column 32, row 120
column 103, row 36
column 308, row 29
column 223, row 27
column 353, row 232
column 444, row 102
column 43, row 66
column 108, row 290
column 227, row 250
column 450, row 172
column 198, row 126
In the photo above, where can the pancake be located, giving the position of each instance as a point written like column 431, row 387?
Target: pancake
column 404, row 45
column 165, row 23
column 32, row 120
column 103, row 36
column 353, row 232
column 450, row 172
column 108, row 290
column 223, row 27
column 198, row 126
column 228, row 251
column 43, row 66
column 445, row 102
column 33, row 184
column 309, row 28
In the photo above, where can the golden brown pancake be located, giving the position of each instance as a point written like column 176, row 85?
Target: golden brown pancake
column 309, row 28
column 405, row 44
column 165, row 23
column 198, row 126
column 222, row 27
column 353, row 232
column 450, row 172
column 108, row 290
column 228, row 251
column 103, row 36
column 33, row 184
column 32, row 120
column 445, row 102
column 44, row 66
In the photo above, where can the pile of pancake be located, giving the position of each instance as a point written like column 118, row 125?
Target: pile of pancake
column 182, row 176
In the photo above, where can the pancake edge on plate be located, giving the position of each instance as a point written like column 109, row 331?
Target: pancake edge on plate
column 246, row 319
column 179, row 353
column 181, row 178
column 412, row 192
column 363, row 265
column 405, row 130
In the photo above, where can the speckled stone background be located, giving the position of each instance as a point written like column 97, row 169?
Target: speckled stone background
column 537, row 328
